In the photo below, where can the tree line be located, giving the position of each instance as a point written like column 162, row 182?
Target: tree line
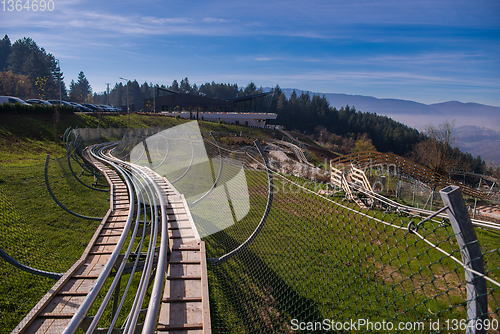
column 28, row 71
column 137, row 93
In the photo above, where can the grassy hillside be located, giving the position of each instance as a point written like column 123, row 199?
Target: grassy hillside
column 27, row 139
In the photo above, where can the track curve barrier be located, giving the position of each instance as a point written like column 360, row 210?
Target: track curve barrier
column 318, row 264
column 406, row 167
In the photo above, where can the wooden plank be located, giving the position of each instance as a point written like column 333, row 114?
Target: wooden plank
column 181, row 300
column 207, row 325
column 184, row 256
column 180, row 327
column 179, row 245
column 184, row 270
column 31, row 316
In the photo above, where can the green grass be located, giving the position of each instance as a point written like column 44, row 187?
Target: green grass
column 38, row 233
column 27, row 139
column 314, row 260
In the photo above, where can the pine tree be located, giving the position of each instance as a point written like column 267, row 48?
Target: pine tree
column 185, row 87
column 80, row 90
column 175, row 86
column 5, row 49
column 28, row 59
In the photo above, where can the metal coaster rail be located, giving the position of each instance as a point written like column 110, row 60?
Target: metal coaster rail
column 140, row 220
column 371, row 159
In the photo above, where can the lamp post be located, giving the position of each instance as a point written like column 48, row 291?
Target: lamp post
column 128, row 110
column 56, row 111
column 59, row 75
column 126, row 80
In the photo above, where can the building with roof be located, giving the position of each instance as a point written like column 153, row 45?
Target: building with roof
column 251, row 110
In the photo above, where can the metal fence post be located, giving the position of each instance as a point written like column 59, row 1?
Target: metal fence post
column 472, row 257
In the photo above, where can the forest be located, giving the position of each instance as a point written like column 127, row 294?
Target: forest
column 28, row 71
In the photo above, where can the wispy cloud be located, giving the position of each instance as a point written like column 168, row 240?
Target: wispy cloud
column 449, row 45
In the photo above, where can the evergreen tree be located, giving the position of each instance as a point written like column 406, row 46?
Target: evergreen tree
column 134, row 94
column 39, row 66
column 175, row 86
column 117, row 96
column 146, row 90
column 194, row 90
column 185, row 87
column 80, row 90
column 20, row 51
column 219, row 91
column 5, row 49
column 250, row 89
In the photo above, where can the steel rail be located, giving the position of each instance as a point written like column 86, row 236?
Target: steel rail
column 221, row 163
column 190, row 164
column 412, row 210
column 132, row 271
column 78, row 179
column 156, row 293
column 138, row 301
column 82, row 311
column 29, row 269
column 148, row 268
column 371, row 158
column 62, row 206
column 85, row 164
column 119, row 271
column 269, row 203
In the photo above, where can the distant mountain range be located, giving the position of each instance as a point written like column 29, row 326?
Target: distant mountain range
column 479, row 141
column 477, row 126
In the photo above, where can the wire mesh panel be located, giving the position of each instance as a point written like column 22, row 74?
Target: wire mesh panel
column 316, row 263
column 322, row 264
column 38, row 233
column 282, row 258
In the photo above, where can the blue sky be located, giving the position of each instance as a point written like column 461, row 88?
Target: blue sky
column 427, row 51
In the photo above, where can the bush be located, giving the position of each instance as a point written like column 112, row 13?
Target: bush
column 17, row 108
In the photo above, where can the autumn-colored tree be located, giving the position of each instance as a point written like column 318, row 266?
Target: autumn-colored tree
column 14, row 85
column 363, row 144
column 41, row 85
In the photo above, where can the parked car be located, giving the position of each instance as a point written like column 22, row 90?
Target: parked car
column 12, row 100
column 61, row 102
column 80, row 107
column 93, row 107
column 38, row 101
column 107, row 108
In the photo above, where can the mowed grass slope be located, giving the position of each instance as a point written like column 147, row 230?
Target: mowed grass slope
column 33, row 229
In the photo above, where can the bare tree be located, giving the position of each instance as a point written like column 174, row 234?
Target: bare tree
column 436, row 151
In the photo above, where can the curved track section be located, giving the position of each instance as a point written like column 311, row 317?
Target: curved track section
column 406, row 167
column 148, row 222
column 412, row 211
column 56, row 309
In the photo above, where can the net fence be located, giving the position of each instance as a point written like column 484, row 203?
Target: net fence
column 314, row 263
column 38, row 233
column 281, row 257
